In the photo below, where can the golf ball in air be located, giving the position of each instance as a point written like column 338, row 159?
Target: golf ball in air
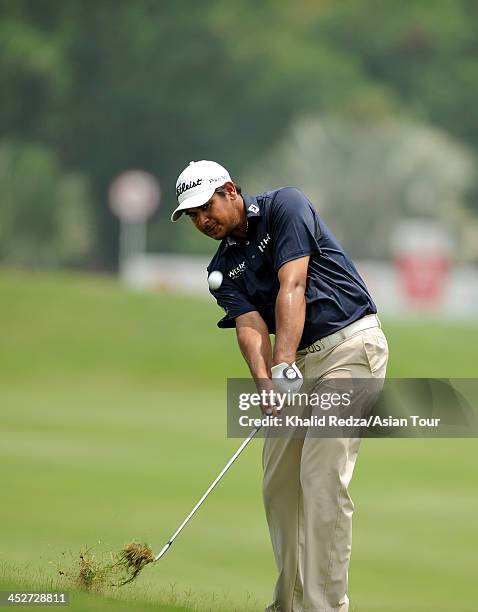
column 215, row 280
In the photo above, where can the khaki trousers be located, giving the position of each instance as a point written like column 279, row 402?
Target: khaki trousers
column 305, row 488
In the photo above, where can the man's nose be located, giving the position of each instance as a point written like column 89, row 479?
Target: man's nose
column 202, row 218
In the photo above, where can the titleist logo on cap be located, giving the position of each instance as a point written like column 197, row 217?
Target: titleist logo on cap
column 182, row 187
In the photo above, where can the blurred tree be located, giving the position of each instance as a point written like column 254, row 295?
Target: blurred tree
column 45, row 215
column 112, row 85
column 365, row 179
column 155, row 84
column 427, row 53
column 33, row 68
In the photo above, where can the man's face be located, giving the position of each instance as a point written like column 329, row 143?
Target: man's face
column 218, row 217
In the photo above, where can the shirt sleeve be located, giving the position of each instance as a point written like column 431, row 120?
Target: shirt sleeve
column 232, row 301
column 294, row 227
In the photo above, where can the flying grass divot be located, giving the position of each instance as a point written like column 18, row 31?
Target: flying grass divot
column 89, row 572
column 132, row 559
column 86, row 571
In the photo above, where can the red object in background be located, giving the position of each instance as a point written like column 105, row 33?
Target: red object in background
column 423, row 277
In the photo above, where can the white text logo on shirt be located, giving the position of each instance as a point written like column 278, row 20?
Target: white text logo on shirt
column 238, row 270
column 263, row 243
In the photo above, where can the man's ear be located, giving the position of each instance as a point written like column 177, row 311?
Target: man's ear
column 231, row 189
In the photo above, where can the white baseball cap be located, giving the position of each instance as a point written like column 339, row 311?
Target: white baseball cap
column 196, row 184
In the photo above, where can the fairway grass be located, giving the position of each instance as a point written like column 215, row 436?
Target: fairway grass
column 113, row 424
column 81, row 601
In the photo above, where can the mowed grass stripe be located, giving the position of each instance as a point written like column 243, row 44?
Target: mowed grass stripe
column 113, row 424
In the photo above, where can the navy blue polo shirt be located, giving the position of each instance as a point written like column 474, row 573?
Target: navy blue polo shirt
column 282, row 226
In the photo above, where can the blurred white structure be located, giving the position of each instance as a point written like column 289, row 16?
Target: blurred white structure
column 133, row 197
column 187, row 274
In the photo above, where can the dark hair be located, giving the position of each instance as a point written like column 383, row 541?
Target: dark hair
column 222, row 189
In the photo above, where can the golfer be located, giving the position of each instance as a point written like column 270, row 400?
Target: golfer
column 284, row 273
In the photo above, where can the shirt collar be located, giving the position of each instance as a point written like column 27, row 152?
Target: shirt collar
column 253, row 210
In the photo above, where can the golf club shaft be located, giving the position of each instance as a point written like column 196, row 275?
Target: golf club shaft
column 210, row 488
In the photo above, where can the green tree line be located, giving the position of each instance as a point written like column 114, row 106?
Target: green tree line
column 90, row 88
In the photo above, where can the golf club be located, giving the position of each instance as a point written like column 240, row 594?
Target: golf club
column 166, row 547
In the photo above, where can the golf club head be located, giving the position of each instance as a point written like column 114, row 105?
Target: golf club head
column 163, row 551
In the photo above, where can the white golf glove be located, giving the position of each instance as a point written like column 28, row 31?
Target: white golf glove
column 287, row 377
